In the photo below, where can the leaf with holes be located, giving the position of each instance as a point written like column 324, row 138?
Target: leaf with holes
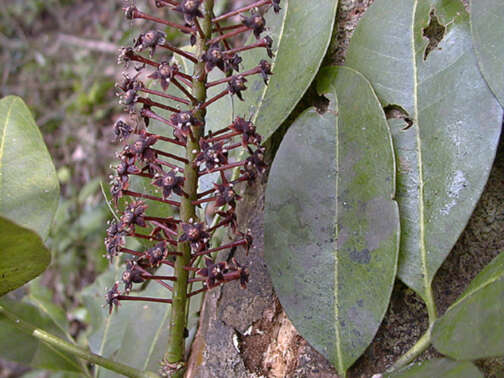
column 442, row 367
column 301, row 34
column 29, row 188
column 331, row 224
column 488, row 34
column 137, row 334
column 445, row 151
column 472, row 328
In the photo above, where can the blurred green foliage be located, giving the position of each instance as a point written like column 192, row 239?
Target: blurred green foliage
column 60, row 57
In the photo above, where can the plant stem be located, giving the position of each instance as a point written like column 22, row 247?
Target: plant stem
column 73, row 349
column 425, row 341
column 176, row 344
column 417, row 349
column 431, row 305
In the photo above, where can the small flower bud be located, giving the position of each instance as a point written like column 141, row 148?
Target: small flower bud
column 236, row 85
column 256, row 22
column 190, row 10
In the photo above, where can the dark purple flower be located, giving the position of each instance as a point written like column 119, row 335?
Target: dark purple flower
column 169, row 182
column 117, row 186
column 150, row 40
column 276, row 6
column 211, row 154
column 236, row 85
column 183, row 121
column 190, row 10
column 124, row 169
column 133, row 215
column 132, row 274
column 126, row 54
column 214, row 57
column 111, row 298
column 269, row 46
column 248, row 131
column 195, row 234
column 233, row 62
column 239, row 271
column 141, row 147
column 226, row 195
column 255, row 164
column 165, row 73
column 153, row 256
column 114, row 240
column 256, row 22
column 122, row 130
column 128, row 83
column 213, row 272
column 229, row 217
column 265, row 70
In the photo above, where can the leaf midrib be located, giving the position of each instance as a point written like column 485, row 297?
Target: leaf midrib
column 339, row 354
column 423, row 252
column 476, row 290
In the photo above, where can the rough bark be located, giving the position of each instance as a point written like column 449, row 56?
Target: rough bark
column 245, row 333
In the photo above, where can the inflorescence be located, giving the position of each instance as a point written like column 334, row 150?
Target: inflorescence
column 167, row 172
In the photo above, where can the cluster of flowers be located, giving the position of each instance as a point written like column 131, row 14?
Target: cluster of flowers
column 165, row 170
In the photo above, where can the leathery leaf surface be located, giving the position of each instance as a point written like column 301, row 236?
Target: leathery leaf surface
column 301, row 33
column 488, row 33
column 135, row 334
column 442, row 367
column 472, row 328
column 23, row 256
column 331, row 224
column 444, row 157
column 29, row 188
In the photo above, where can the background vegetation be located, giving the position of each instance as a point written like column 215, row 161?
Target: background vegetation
column 59, row 56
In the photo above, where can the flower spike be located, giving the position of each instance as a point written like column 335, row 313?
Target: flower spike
column 173, row 154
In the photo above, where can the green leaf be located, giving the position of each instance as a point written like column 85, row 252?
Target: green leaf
column 488, row 34
column 301, row 33
column 16, row 345
column 137, row 333
column 472, row 328
column 439, row 368
column 29, row 188
column 331, row 225
column 23, row 256
column 445, row 156
column 41, row 297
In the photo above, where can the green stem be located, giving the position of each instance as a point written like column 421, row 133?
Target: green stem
column 176, row 345
column 76, row 350
column 417, row 349
column 425, row 341
column 431, row 305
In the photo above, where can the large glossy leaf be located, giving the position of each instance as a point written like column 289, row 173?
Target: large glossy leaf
column 331, row 224
column 301, row 33
column 445, row 156
column 23, row 256
column 29, row 186
column 439, row 368
column 16, row 345
column 488, row 34
column 137, row 333
column 473, row 328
